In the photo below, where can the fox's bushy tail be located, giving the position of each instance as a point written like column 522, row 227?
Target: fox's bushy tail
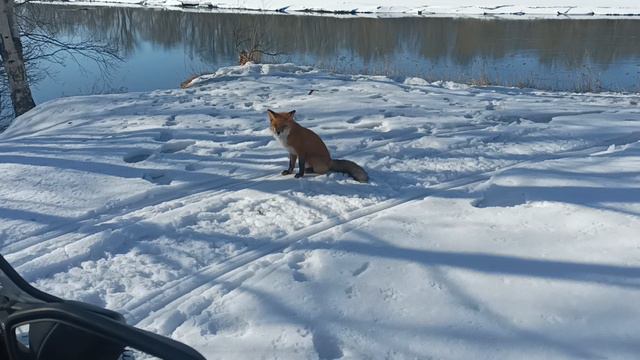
column 351, row 168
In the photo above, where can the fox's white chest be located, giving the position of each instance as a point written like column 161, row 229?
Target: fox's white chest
column 283, row 139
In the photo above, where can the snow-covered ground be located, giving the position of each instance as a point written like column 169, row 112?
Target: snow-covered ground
column 498, row 222
column 527, row 8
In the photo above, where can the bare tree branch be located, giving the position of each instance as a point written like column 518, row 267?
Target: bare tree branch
column 42, row 43
column 249, row 44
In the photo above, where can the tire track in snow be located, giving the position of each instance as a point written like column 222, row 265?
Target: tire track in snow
column 144, row 311
column 44, row 258
column 176, row 292
column 181, row 192
column 131, row 205
column 159, row 196
column 62, row 252
column 40, row 256
column 92, row 226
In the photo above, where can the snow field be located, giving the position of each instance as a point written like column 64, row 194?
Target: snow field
column 496, row 221
column 515, row 9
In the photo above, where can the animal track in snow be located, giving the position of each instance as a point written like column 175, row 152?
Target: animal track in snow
column 295, row 261
column 388, row 294
column 351, row 292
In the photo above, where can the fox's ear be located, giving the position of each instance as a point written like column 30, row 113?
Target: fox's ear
column 291, row 113
column 272, row 114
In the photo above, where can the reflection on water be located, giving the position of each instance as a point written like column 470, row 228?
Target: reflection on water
column 163, row 47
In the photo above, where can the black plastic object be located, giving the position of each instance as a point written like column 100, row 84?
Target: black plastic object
column 59, row 329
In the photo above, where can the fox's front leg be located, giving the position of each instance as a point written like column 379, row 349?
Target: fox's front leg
column 292, row 164
column 300, row 168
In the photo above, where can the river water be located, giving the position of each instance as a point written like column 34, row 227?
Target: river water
column 161, row 48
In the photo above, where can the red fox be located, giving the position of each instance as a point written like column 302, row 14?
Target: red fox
column 306, row 146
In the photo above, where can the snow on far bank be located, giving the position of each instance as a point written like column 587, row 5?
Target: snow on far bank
column 527, row 8
column 498, row 221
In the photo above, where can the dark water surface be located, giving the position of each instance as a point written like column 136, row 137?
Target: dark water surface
column 161, row 48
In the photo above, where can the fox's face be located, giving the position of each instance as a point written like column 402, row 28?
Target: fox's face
column 280, row 122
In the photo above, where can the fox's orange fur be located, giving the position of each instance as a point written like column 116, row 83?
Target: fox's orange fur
column 307, row 148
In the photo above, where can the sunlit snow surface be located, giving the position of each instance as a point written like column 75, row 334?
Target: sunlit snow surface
column 498, row 222
column 514, row 8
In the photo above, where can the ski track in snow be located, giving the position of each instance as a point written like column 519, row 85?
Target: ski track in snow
column 199, row 207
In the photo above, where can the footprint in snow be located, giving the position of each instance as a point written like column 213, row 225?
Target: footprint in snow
column 170, row 148
column 327, row 346
column 137, row 156
column 295, row 264
column 193, row 167
column 237, row 281
column 371, row 125
column 171, row 121
column 163, row 136
column 354, row 119
column 361, row 269
column 492, row 105
column 351, row 292
column 171, row 321
column 388, row 294
column 158, row 178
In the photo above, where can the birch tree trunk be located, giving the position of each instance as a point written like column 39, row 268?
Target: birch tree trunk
column 13, row 60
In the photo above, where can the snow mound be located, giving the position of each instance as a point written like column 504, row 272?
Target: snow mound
column 251, row 69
